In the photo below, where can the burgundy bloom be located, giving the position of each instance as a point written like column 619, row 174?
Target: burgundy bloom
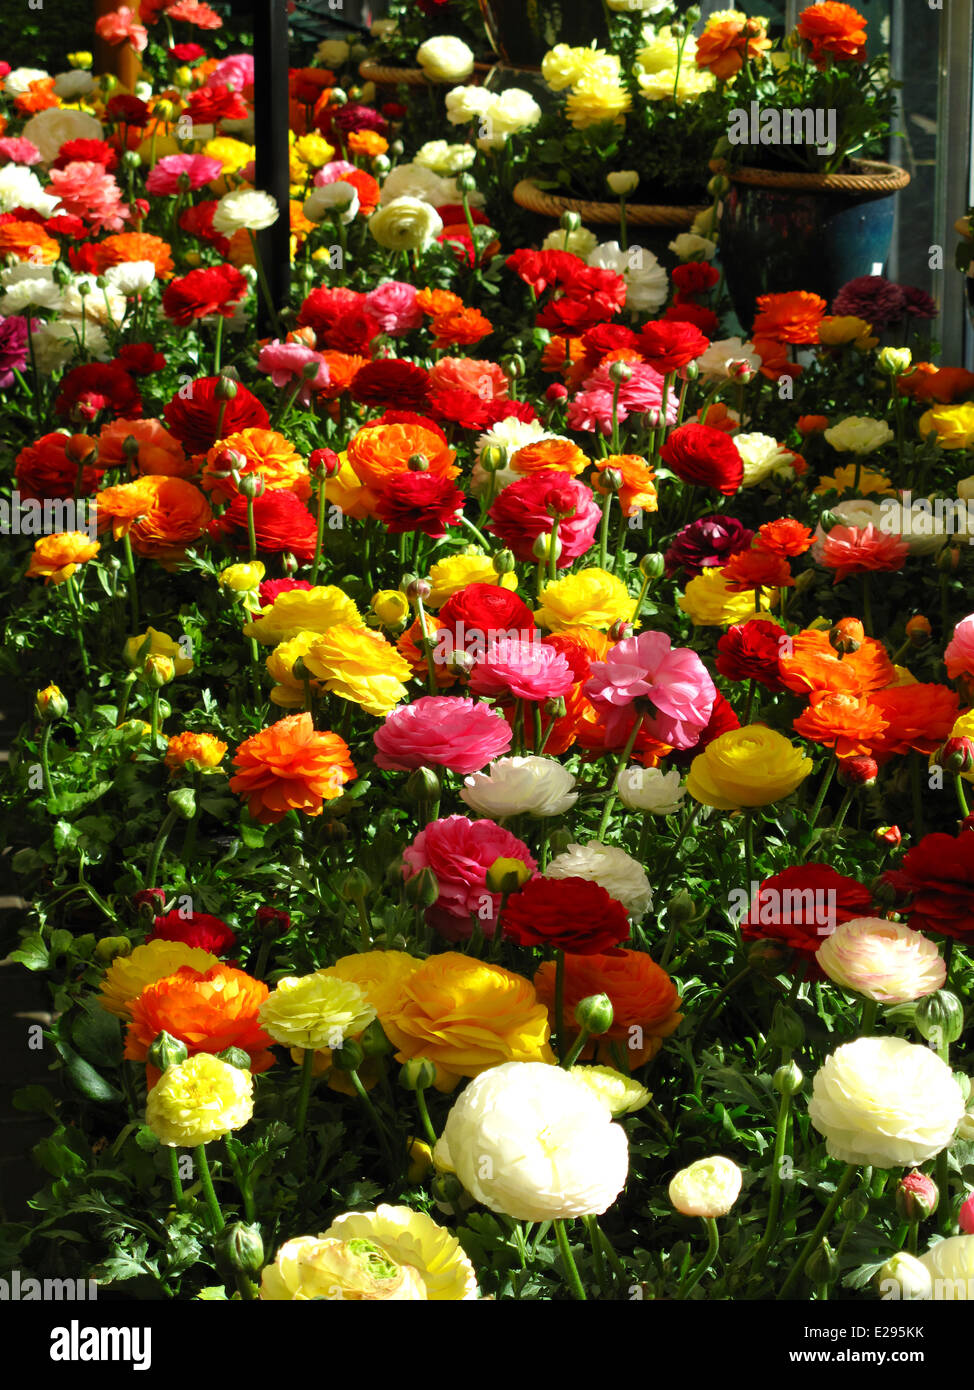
column 686, row 311
column 873, row 298
column 918, row 303
column 127, row 110
column 419, row 502
column 570, row 914
column 88, row 390
column 140, row 359
column 709, row 541
column 352, row 117
column 391, row 381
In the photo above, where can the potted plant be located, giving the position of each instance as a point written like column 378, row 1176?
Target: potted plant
column 395, row 58
column 808, row 201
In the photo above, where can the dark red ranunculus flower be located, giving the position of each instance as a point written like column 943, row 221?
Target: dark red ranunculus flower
column 281, row 522
column 669, row 345
column 871, row 297
column 87, row 152
column 43, row 471
column 140, row 359
column 212, row 289
column 210, row 105
column 750, row 651
column 419, row 502
column 694, row 277
column 352, row 116
column 801, row 906
column 199, row 929
column 194, row 413
column 938, row 875
column 186, row 52
column 686, row 311
column 570, row 914
column 487, row 610
column 66, row 224
column 94, row 387
column 391, row 381
column 268, row 589
column 705, row 457
column 127, row 110
column 273, row 919
column 709, row 541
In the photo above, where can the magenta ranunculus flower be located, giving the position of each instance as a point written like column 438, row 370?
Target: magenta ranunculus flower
column 285, row 362
column 393, row 308
column 198, row 169
column 959, row 652
column 459, row 852
column 442, row 731
column 331, row 172
column 673, row 679
column 511, row 667
column 520, row 515
column 13, row 347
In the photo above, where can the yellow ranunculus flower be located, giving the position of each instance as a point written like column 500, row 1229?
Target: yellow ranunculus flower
column 622, row 1094
column 455, row 572
column 288, row 692
column 159, row 645
column 465, row 1016
column 563, row 66
column 839, row 329
column 232, row 154
column 127, row 976
column 963, row 728
column 242, row 578
column 413, row 1238
column 870, row 480
column 361, row 666
column 390, row 606
column 952, row 424
column 858, row 434
column 199, row 1100
column 708, row 602
column 596, row 99
column 155, row 147
column 194, row 751
column 346, row 491
column 590, row 598
column 752, row 766
column 315, row 1011
column 669, row 85
column 314, row 149
column 304, row 610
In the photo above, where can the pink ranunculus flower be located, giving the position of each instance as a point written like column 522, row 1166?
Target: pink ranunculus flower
column 120, row 25
column 485, row 379
column 332, row 172
column 198, row 169
column 284, row 362
column 882, row 960
column 860, row 550
column 459, row 852
column 14, row 149
column 673, row 679
column 643, row 391
column 442, row 731
column 236, row 70
column 511, row 667
column 519, row 515
column 85, row 189
column 959, row 653
column 393, row 307
column 592, row 410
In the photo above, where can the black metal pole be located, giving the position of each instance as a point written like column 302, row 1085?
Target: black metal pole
column 271, row 123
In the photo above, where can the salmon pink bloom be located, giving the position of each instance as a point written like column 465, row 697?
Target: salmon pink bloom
column 525, row 670
column 860, row 550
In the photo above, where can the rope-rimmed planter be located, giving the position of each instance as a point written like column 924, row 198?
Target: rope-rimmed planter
column 784, row 230
column 384, row 76
column 528, row 195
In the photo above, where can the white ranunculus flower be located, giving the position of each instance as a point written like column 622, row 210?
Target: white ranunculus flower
column 35, row 292
column 17, row 81
column 510, row 434
column 950, row 1264
column 885, row 1102
column 622, row 182
column 761, row 455
column 528, row 1140
column 715, row 363
column 465, row 104
column 617, row 872
column 405, row 224
column 532, row 786
column 320, row 201
column 445, row 58
column 859, row 434
column 443, row 158
column 21, row 188
column 509, row 113
column 71, row 86
column 650, row 789
column 924, row 531
column 581, row 242
column 50, row 129
column 57, row 343
column 882, row 960
column 708, row 1188
column 131, row 277
column 622, row 1094
column 647, row 284
column 245, row 208
column 689, row 246
column 25, row 270
column 415, row 181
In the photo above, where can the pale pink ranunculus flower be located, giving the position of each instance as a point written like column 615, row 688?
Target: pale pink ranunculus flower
column 882, row 960
column 14, row 149
column 85, row 189
column 959, row 653
column 283, row 362
column 332, row 172
column 672, row 679
column 393, row 308
column 523, row 670
column 484, row 379
column 442, row 731
column 459, row 852
column 120, row 25
column 198, row 169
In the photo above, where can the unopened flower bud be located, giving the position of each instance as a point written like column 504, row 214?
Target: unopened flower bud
column 888, row 835
column 955, row 755
column 594, row 1013
column 787, row 1032
column 422, row 889
column 418, row 1074
column 918, row 630
column 423, row 784
column 948, row 559
column 652, row 566
column 847, row 636
column 506, row 875
column 356, row 886
column 768, row 957
column 965, row 1216
column 555, row 707
column 109, row 947
column 855, row 1208
column 503, row 562
column 917, row 1196
column 570, row 221
column 226, row 387
column 323, row 463
column 859, row 771
column 939, row 1017
column 787, row 1080
column 560, row 503
column 822, row 1266
column 514, row 366
column 158, row 671
column 418, row 589
column 620, row 373
column 691, row 371
column 894, row 361
column 620, row 631
column 719, row 186
column 348, row 1057
column 374, row 1042
column 493, row 457
column 543, row 546
column 183, row 802
column 50, row 705
column 418, row 463
column 447, row 1191
column 251, row 485
column 166, row 1051
column 622, row 182
column 828, row 520
column 235, row 1057
column 240, row 1249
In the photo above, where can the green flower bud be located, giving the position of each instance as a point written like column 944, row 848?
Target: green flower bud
column 493, row 457
column 594, row 1013
column 240, row 1249
column 652, row 566
column 226, row 387
column 235, row 1057
column 251, row 485
column 447, row 1189
column 787, row 1031
column 855, row 1208
column 828, row 520
column 50, row 705
column 374, row 1042
column 356, row 886
column 422, row 889
column 167, row 1051
column 503, row 562
column 559, row 840
column 939, row 1017
column 109, row 947
column 348, row 1057
column 417, row 1074
column 570, row 221
column 822, row 1266
column 680, row 909
column 423, row 784
column 183, row 802
column 788, row 1079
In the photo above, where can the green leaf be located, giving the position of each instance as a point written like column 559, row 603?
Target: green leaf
column 67, row 802
column 85, row 1079
column 97, row 1035
column 34, row 1100
column 33, row 953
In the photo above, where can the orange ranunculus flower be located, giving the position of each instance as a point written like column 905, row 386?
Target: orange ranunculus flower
column 435, row 302
column 556, row 453
column 366, row 142
column 723, row 46
column 833, row 29
column 379, row 453
column 257, row 451
column 342, row 367
column 944, row 385
column 561, row 354
column 159, row 451
column 638, row 491
column 792, row 317
column 39, row 96
column 290, row 766
column 175, row 515
column 409, row 649
column 775, row 361
column 645, row 1003
column 124, row 504
column 349, row 494
column 809, row 664
column 718, row 417
column 918, row 717
column 28, row 242
column 187, row 750
column 757, row 569
column 135, row 246
column 460, row 328
column 784, row 536
column 847, row 723
column 862, row 550
column 811, row 424
column 207, row 1010
column 56, row 557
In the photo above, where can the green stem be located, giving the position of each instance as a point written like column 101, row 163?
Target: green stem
column 177, row 1186
column 713, row 1243
column 749, row 846
column 867, row 1019
column 251, row 531
column 72, row 593
column 373, row 1115
column 132, row 588
column 571, row 1269
column 304, row 1091
column 206, row 1181
column 610, row 791
column 843, row 810
column 160, row 843
column 845, row 1182
column 218, row 345
column 598, row 1258
column 250, row 1211
column 572, row 1056
column 604, row 529
column 45, row 765
column 424, row 1116
column 961, row 795
column 824, row 785
column 560, row 1003
column 774, row 1195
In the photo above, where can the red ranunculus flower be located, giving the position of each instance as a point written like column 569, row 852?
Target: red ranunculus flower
column 938, row 874
column 686, row 311
column 608, row 337
column 669, row 345
column 391, row 381
column 193, row 416
column 87, row 152
column 541, row 269
column 88, row 390
column 214, row 289
column 197, row 219
column 749, row 651
column 802, row 905
column 281, row 522
column 43, row 471
column 210, row 105
column 140, row 359
column 722, row 718
column 704, row 457
column 199, row 929
column 694, row 277
column 419, row 502
column 268, row 589
column 488, row 611
column 127, row 110
column 571, row 914
column 519, row 516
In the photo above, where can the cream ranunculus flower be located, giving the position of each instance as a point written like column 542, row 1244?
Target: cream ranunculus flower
column 859, row 434
column 445, row 59
column 650, row 789
column 512, row 111
column 622, row 1094
column 618, row 873
column 885, row 961
column 247, row 208
column 708, row 1188
column 529, row 1141
column 761, row 455
column 885, row 1102
column 405, row 224
column 52, row 128
column 339, row 196
column 311, row 1267
column 950, row 1264
column 622, row 182
column 315, row 1011
column 690, row 246
column 647, row 284
column 715, row 363
column 443, row 158
column 530, row 786
column 199, row 1100
column 466, row 104
column 581, row 242
column 414, row 1239
column 131, row 277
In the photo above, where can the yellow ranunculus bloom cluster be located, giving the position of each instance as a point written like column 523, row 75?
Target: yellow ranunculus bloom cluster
column 199, row 1100
column 708, row 602
column 315, row 1011
column 751, row 766
column 304, row 610
column 590, row 598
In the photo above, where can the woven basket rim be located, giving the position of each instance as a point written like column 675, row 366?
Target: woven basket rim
column 386, row 74
column 528, row 195
column 877, row 177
